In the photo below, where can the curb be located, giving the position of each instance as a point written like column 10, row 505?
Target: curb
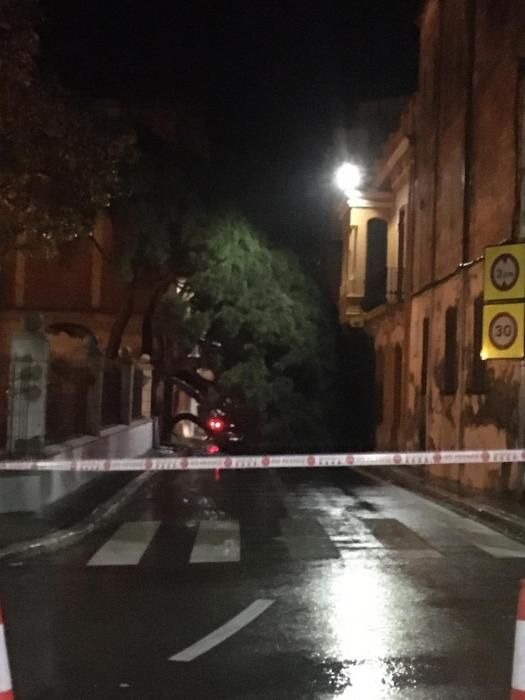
column 508, row 523
column 67, row 536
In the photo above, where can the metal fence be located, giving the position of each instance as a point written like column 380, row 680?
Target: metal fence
column 138, row 385
column 67, row 396
column 18, row 384
column 111, row 394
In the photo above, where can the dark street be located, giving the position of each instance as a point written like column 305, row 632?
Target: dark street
column 288, row 236
column 317, row 584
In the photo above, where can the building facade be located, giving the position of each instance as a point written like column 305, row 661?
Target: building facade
column 448, row 185
column 80, row 292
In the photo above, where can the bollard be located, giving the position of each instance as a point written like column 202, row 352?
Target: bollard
column 6, row 685
column 518, row 665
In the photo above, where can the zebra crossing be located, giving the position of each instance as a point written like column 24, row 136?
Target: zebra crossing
column 279, row 523
column 300, row 539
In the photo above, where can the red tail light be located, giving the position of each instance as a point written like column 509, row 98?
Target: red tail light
column 215, row 424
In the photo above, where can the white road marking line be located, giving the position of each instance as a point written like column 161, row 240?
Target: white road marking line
column 414, row 554
column 504, row 552
column 127, row 545
column 222, row 633
column 394, row 555
column 489, row 541
column 217, row 541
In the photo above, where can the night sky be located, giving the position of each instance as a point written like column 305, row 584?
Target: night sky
column 273, row 79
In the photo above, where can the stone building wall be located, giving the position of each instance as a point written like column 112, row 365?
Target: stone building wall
column 465, row 195
column 389, row 346
column 78, row 286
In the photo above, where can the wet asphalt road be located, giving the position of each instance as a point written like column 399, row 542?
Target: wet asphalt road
column 369, row 591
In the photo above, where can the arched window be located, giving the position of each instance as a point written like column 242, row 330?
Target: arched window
column 379, row 386
column 424, row 356
column 450, row 364
column 478, row 369
column 398, row 387
column 401, row 243
column 376, row 250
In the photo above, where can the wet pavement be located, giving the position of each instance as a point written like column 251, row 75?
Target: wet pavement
column 264, row 585
column 36, row 504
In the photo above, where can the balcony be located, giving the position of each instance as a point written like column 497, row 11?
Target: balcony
column 394, row 285
column 385, row 288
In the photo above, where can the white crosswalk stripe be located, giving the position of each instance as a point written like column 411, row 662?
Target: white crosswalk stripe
column 127, row 546
column 217, row 541
column 491, row 542
column 305, row 537
column 474, row 533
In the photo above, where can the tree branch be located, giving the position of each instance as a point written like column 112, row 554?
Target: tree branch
column 108, row 258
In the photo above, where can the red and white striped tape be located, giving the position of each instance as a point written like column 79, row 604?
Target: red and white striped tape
column 518, row 666
column 367, row 459
column 6, row 685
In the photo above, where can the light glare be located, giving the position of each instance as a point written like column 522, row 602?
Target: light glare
column 348, row 178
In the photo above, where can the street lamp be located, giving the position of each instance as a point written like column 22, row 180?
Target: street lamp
column 348, row 179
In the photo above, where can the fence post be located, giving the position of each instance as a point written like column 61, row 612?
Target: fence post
column 95, row 359
column 26, row 423
column 145, row 366
column 126, row 392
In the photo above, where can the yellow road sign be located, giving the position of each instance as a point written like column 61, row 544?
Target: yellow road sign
column 503, row 331
column 504, row 272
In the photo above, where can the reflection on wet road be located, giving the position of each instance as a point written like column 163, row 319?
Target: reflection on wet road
column 311, row 584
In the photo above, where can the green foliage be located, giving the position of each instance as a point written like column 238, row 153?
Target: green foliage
column 276, row 337
column 148, row 221
column 60, row 162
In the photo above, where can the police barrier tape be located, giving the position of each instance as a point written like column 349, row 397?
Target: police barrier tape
column 367, row 459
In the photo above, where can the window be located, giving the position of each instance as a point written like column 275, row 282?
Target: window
column 380, row 372
column 450, row 364
column 424, row 359
column 398, row 387
column 423, row 383
column 478, row 370
column 401, row 226
column 376, row 252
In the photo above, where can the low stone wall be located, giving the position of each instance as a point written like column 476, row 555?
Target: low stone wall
column 118, row 441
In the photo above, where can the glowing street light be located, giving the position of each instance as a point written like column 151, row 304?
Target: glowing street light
column 348, row 179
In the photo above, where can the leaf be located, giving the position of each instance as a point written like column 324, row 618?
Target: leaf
column 276, row 337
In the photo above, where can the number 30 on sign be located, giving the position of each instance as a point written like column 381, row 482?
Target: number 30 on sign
column 503, row 331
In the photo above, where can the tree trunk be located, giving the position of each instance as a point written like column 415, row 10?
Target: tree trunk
column 167, row 410
column 147, row 322
column 120, row 323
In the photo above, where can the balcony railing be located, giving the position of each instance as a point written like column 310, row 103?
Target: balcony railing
column 394, row 285
column 388, row 289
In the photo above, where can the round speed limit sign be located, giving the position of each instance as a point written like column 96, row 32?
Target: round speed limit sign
column 503, row 331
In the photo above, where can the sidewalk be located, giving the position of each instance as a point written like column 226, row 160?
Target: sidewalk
column 33, row 505
column 502, row 511
column 46, row 510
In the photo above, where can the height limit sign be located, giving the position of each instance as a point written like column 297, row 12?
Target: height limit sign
column 503, row 331
column 504, row 273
